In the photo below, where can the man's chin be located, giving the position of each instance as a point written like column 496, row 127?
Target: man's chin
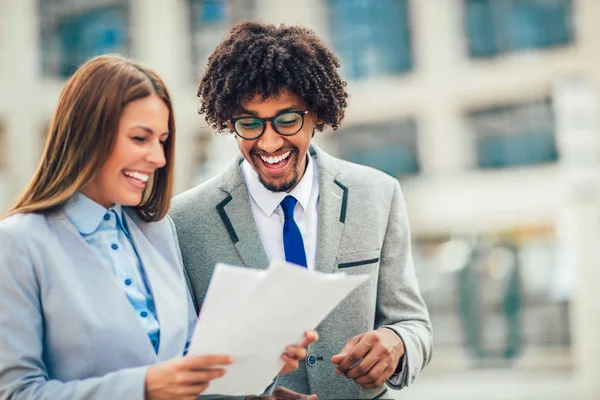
column 279, row 186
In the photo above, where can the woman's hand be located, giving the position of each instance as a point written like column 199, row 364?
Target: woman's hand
column 183, row 378
column 296, row 352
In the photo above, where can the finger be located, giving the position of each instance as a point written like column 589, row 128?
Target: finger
column 202, row 377
column 376, row 376
column 256, row 398
column 205, row 361
column 364, row 366
column 282, row 393
column 295, row 352
column 338, row 358
column 192, row 390
column 310, row 337
column 354, row 355
column 290, row 364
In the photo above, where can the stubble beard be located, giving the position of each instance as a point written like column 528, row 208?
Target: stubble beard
column 282, row 187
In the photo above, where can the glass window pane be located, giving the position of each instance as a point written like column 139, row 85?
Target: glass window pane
column 479, row 29
column 389, row 146
column 514, row 135
column 73, row 33
column 82, row 37
column 494, row 27
column 371, row 37
column 211, row 21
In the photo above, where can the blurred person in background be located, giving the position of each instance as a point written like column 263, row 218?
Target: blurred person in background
column 92, row 290
column 286, row 199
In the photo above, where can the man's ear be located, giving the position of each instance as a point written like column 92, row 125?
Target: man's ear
column 229, row 126
column 318, row 121
column 319, row 124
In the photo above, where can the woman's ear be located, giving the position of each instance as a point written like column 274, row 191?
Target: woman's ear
column 229, row 126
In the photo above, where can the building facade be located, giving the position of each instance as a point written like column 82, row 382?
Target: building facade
column 460, row 99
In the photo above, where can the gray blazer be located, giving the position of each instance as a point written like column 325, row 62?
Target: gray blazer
column 67, row 330
column 363, row 229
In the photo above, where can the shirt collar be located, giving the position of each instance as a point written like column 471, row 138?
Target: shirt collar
column 267, row 200
column 87, row 215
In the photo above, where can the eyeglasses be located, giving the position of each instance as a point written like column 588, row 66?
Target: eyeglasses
column 287, row 124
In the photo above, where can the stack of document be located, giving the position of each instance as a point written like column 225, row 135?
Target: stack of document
column 253, row 315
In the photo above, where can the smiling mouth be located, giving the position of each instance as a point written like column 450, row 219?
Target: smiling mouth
column 137, row 179
column 274, row 160
column 274, row 165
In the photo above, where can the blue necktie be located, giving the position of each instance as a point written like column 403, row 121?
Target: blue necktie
column 292, row 238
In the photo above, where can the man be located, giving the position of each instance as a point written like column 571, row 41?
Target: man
column 287, row 199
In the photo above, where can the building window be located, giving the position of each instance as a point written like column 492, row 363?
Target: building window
column 494, row 27
column 371, row 37
column 72, row 32
column 514, row 135
column 211, row 21
column 389, row 146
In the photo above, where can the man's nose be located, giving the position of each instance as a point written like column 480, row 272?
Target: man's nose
column 270, row 141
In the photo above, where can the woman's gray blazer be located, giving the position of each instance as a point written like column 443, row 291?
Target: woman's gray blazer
column 67, row 329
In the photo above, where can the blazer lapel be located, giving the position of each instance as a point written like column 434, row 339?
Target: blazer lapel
column 167, row 287
column 236, row 215
column 333, row 198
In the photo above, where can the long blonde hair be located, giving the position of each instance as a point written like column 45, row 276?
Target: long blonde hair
column 83, row 131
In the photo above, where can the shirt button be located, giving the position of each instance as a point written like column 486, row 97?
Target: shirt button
column 311, row 360
column 114, row 246
column 128, row 282
column 106, row 217
column 144, row 314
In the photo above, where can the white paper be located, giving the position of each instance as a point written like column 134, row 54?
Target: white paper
column 253, row 314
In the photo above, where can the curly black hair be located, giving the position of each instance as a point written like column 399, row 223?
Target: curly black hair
column 263, row 59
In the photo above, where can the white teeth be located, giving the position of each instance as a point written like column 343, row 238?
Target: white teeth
column 137, row 175
column 275, row 160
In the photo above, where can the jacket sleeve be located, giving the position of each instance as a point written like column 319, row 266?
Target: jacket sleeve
column 23, row 374
column 400, row 306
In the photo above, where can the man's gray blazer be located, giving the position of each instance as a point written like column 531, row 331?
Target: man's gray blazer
column 67, row 329
column 363, row 229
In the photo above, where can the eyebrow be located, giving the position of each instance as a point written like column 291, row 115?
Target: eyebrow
column 148, row 130
column 255, row 114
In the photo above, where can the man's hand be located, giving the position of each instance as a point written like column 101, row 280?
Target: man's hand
column 370, row 358
column 281, row 393
column 296, row 352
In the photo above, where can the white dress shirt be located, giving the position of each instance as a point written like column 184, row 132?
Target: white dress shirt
column 269, row 217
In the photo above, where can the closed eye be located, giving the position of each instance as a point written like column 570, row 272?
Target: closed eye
column 139, row 139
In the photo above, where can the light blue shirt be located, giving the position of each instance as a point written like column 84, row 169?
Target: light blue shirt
column 105, row 230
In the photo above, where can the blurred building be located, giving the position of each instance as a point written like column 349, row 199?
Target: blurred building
column 457, row 98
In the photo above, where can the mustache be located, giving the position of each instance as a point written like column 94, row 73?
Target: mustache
column 258, row 152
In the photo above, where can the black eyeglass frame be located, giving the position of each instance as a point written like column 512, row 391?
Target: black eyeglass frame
column 264, row 124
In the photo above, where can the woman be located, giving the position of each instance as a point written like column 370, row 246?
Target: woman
column 92, row 292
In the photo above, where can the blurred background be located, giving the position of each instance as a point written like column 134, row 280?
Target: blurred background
column 485, row 110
